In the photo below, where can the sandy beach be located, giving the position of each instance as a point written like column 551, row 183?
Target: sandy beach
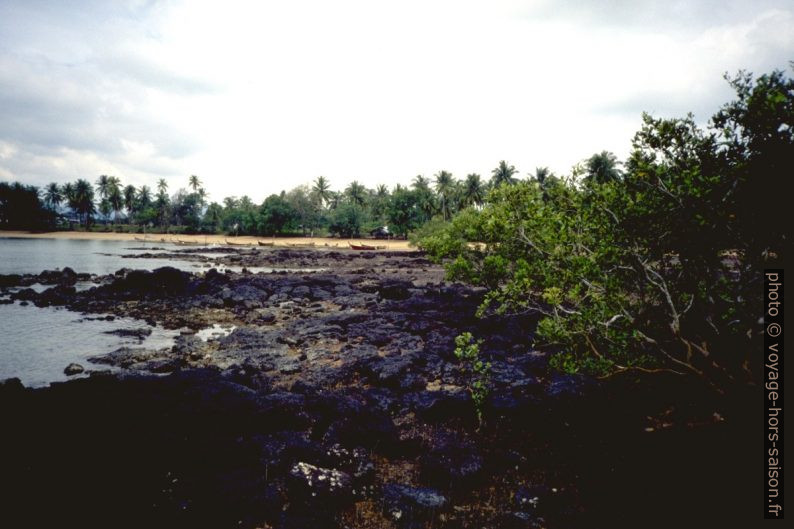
column 210, row 239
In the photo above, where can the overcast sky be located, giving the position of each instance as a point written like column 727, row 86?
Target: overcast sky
column 255, row 97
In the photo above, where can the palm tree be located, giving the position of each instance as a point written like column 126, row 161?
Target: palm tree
column 473, row 190
column 425, row 200
column 194, row 182
column 420, row 183
column 144, row 196
column 105, row 209
column 53, row 196
column 84, row 200
column 162, row 202
column 69, row 195
column 543, row 173
column 602, row 167
column 356, row 193
column 445, row 188
column 503, row 174
column 103, row 186
column 115, row 196
column 322, row 189
column 130, row 199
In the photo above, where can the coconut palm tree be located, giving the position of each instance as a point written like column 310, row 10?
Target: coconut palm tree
column 53, row 196
column 103, row 186
column 602, row 167
column 322, row 190
column 542, row 174
column 194, row 182
column 356, row 193
column 162, row 186
column 445, row 188
column 68, row 195
column 473, row 190
column 425, row 200
column 130, row 195
column 144, row 196
column 84, row 200
column 115, row 196
column 503, row 174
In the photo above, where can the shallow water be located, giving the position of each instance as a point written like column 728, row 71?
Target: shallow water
column 31, row 256
column 36, row 344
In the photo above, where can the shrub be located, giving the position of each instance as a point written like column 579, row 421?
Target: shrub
column 478, row 371
column 657, row 269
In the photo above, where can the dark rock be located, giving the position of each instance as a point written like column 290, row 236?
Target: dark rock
column 406, row 504
column 140, row 333
column 73, row 369
column 320, row 484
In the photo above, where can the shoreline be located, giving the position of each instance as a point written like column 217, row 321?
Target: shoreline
column 287, row 242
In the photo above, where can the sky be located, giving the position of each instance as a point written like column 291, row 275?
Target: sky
column 255, row 97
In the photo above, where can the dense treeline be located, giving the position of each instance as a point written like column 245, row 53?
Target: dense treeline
column 653, row 265
column 307, row 209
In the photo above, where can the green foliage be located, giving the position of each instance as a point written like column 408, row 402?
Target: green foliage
column 478, row 371
column 656, row 267
column 346, row 220
column 275, row 213
column 21, row 208
column 402, row 211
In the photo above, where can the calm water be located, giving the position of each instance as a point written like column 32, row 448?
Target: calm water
column 37, row 343
column 31, row 256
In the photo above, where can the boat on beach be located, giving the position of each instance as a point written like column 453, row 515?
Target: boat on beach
column 186, row 243
column 230, row 243
column 262, row 243
column 365, row 247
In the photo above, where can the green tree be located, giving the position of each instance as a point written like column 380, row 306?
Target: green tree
column 211, row 221
column 473, row 191
column 346, row 220
column 425, row 199
column 306, row 209
column 194, row 183
column 275, row 214
column 356, row 193
column 655, row 270
column 322, row 190
column 602, row 167
column 53, row 196
column 445, row 188
column 144, row 197
column 379, row 204
column 115, row 197
column 403, row 212
column 103, row 186
column 503, row 174
column 130, row 195
column 83, row 200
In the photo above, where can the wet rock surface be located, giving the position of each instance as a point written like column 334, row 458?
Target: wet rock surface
column 336, row 401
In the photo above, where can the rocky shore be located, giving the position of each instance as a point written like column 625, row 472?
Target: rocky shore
column 331, row 397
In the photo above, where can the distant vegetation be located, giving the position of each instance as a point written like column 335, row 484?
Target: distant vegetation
column 306, row 210
column 651, row 265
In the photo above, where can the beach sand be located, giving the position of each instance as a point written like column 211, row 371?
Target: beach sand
column 320, row 242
